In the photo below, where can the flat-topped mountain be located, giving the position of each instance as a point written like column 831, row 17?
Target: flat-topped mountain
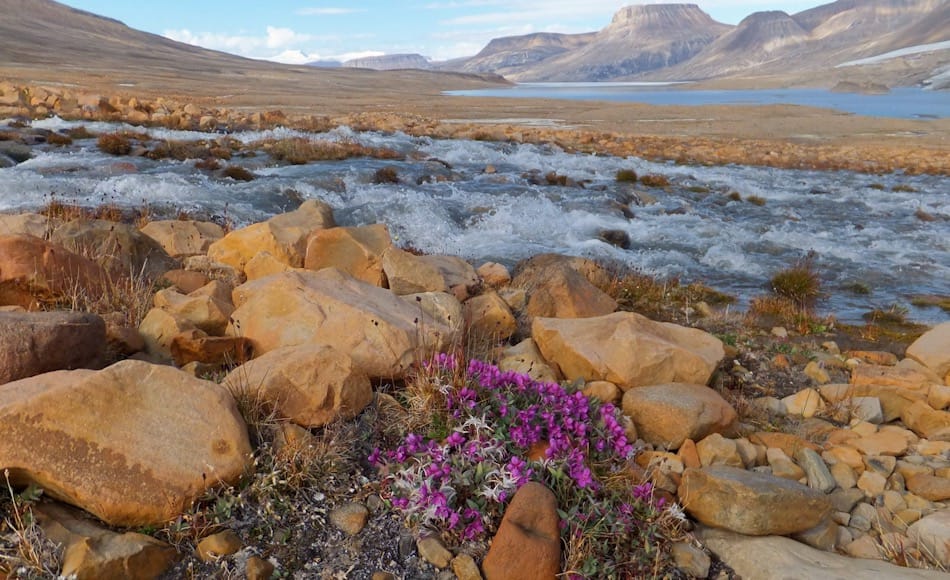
column 390, row 62
column 638, row 39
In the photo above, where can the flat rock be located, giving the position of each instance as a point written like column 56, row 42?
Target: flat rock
column 751, row 503
column 778, row 557
column 927, row 422
column 92, row 552
column 382, row 333
column 33, row 343
column 119, row 248
column 600, row 348
column 668, row 414
column 135, row 444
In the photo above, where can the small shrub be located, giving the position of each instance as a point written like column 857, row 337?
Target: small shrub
column 552, row 178
column 238, row 173
column 904, row 189
column 9, row 136
column 654, row 180
column 485, row 433
column 626, row 176
column 59, row 139
column 859, row 288
column 698, row 189
column 734, row 196
column 114, row 144
column 80, row 132
column 799, row 283
column 756, row 200
column 895, row 314
column 209, row 164
column 877, row 186
column 386, row 175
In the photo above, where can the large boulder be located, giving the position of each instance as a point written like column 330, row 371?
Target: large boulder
column 134, row 444
column 564, row 287
column 34, row 271
column 119, row 248
column 311, row 384
column 382, row 333
column 33, row 343
column 527, row 545
column 358, row 251
column 283, row 236
column 180, row 238
column 667, row 415
column 778, row 557
column 933, row 349
column 751, row 503
column 411, row 274
column 627, row 349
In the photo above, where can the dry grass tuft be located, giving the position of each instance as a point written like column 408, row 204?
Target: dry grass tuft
column 386, row 175
column 299, row 150
column 59, row 139
column 626, row 176
column 799, row 283
column 238, row 173
column 654, row 180
column 114, row 143
column 25, row 551
column 80, row 132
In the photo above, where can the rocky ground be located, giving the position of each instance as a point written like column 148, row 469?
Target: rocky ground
column 225, row 399
column 777, row 136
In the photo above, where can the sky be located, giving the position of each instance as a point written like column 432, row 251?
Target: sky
column 299, row 31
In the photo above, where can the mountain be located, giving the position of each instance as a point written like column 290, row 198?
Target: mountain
column 817, row 40
column 681, row 42
column 390, row 62
column 638, row 39
column 510, row 55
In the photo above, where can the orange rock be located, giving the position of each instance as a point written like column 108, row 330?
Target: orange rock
column 33, row 271
column 355, row 250
column 874, row 357
column 883, row 376
column 788, row 443
column 528, row 543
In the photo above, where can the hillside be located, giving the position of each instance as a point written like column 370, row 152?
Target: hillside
column 512, row 55
column 43, row 41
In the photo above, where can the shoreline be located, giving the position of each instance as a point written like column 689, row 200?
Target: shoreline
column 781, row 136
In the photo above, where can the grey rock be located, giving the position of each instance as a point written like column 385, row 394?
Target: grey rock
column 819, row 477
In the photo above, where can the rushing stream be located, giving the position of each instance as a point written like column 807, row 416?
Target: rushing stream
column 890, row 233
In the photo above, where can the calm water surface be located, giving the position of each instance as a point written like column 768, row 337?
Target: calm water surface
column 905, row 103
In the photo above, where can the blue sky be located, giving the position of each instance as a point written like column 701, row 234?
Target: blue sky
column 297, row 31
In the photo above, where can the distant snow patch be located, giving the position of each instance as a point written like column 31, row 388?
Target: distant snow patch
column 932, row 47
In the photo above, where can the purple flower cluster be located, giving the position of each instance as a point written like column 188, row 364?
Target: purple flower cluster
column 504, row 430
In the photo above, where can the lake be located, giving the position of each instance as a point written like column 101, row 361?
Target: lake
column 904, row 103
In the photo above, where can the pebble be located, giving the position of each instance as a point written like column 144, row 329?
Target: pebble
column 350, row 518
